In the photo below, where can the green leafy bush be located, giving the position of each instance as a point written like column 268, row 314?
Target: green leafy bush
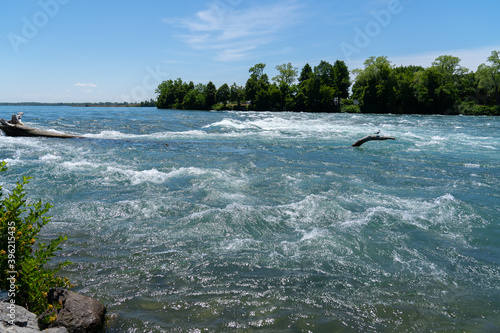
column 22, row 257
column 473, row 109
column 350, row 108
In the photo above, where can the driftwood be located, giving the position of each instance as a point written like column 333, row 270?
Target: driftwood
column 22, row 130
column 370, row 138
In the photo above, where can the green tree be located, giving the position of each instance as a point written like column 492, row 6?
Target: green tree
column 305, row 74
column 236, row 93
column 288, row 95
column 328, row 99
column 223, row 94
column 322, row 89
column 257, row 87
column 165, row 95
column 257, row 71
column 251, row 88
column 170, row 94
column 489, row 76
column 406, row 97
column 210, row 95
column 146, row 103
column 375, row 86
column 435, row 92
column 276, row 101
column 449, row 66
column 287, row 74
column 342, row 80
column 193, row 100
column 262, row 99
column 308, row 98
column 453, row 87
column 253, row 85
column 324, row 74
column 305, row 90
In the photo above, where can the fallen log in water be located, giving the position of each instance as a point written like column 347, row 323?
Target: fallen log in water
column 370, row 138
column 25, row 131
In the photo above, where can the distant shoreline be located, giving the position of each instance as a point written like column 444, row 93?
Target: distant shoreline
column 101, row 104
column 347, row 108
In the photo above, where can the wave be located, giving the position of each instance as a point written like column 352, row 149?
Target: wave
column 154, row 176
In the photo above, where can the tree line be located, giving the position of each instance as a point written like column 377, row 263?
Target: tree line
column 445, row 87
column 319, row 89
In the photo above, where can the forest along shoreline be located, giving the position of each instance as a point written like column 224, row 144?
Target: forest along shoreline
column 444, row 88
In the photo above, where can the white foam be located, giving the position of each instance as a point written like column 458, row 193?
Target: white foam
column 112, row 135
column 11, row 161
column 239, row 244
column 285, row 125
column 50, row 157
column 158, row 177
column 232, row 123
column 312, row 235
column 79, row 165
column 472, row 165
column 445, row 198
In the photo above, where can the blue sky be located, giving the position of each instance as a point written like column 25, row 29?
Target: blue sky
column 120, row 50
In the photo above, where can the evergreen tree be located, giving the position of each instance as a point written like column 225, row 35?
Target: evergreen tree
column 223, row 94
column 342, row 81
column 305, row 74
column 210, row 96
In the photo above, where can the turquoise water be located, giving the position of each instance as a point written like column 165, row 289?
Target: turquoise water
column 271, row 222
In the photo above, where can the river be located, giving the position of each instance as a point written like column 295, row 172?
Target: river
column 190, row 221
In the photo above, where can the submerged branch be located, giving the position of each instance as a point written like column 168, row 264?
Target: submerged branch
column 370, row 138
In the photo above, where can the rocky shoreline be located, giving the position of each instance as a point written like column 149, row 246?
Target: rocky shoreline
column 71, row 313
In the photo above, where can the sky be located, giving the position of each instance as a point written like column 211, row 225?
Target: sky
column 120, row 50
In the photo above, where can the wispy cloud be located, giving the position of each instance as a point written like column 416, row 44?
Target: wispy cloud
column 470, row 58
column 234, row 33
column 86, row 85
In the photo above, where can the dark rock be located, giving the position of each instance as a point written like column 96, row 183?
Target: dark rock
column 78, row 313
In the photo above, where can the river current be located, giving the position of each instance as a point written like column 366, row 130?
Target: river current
column 189, row 221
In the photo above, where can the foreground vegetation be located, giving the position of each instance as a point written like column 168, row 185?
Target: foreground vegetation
column 380, row 87
column 25, row 271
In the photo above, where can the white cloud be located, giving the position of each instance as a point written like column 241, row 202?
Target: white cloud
column 235, row 32
column 233, row 54
column 91, row 85
column 470, row 58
